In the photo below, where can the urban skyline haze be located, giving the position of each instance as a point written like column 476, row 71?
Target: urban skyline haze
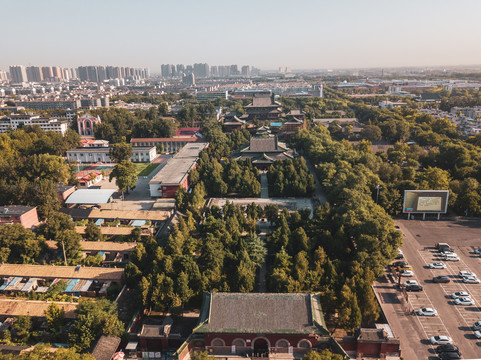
column 267, row 34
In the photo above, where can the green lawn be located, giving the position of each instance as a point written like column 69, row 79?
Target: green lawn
column 144, row 169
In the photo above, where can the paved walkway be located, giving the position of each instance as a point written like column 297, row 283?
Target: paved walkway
column 319, row 195
column 264, row 186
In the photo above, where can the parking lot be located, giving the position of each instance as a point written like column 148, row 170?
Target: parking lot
column 453, row 320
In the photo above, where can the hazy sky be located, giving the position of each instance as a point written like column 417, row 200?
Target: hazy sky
column 302, row 34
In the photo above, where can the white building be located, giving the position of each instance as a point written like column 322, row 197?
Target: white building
column 47, row 124
column 101, row 154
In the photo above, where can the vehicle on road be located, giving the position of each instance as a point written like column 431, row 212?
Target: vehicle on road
column 410, row 282
column 466, row 273
column 471, row 280
column 441, row 279
column 427, row 312
column 414, row 288
column 407, row 273
column 477, row 325
column 440, row 340
column 450, row 355
column 437, row 265
column 459, row 294
column 447, row 348
column 477, row 333
column 464, row 301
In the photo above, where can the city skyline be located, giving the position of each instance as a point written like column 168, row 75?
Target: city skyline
column 267, row 35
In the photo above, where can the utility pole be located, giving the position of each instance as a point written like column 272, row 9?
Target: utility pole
column 64, row 256
column 378, row 187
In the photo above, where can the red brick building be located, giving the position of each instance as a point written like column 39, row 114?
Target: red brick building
column 19, row 214
column 260, row 325
column 377, row 342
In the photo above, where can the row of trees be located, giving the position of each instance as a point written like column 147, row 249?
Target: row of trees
column 290, row 178
column 31, row 165
column 221, row 253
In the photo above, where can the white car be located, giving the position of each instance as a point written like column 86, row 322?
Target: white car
column 407, row 273
column 470, row 280
column 427, row 312
column 459, row 294
column 478, row 251
column 440, row 340
column 451, row 257
column 437, row 265
column 477, row 325
column 410, row 282
column 464, row 301
column 477, row 333
column 466, row 273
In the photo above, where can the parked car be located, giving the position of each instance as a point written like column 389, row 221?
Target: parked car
column 449, row 355
column 404, row 267
column 451, row 257
column 477, row 333
column 458, row 294
column 427, row 312
column 464, row 301
column 410, row 282
column 399, row 263
column 407, row 273
column 442, row 246
column 470, row 280
column 478, row 251
column 440, row 340
column 466, row 273
column 414, row 288
column 447, row 348
column 447, row 251
column 437, row 265
column 400, row 254
column 477, row 325
column 441, row 279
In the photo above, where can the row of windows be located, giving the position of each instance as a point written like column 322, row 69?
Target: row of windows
column 281, row 343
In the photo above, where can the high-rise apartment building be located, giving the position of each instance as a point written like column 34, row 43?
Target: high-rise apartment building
column 34, row 74
column 246, row 71
column 201, row 70
column 18, row 74
column 57, row 72
column 167, row 70
column 47, row 72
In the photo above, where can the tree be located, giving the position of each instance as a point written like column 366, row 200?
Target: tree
column 94, row 318
column 44, row 352
column 371, row 132
column 69, row 241
column 93, row 232
column 121, row 152
column 323, row 355
column 56, row 223
column 23, row 328
column 18, row 244
column 203, row 355
column 125, row 174
column 55, row 318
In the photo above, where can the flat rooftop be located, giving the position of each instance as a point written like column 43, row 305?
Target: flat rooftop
column 10, row 307
column 129, row 215
column 62, row 272
column 90, row 196
column 100, row 245
column 178, row 167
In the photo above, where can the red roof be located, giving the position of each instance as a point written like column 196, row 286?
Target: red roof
column 187, row 131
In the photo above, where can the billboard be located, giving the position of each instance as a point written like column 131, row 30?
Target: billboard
column 425, row 201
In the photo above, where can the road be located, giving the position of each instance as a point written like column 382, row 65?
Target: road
column 320, row 196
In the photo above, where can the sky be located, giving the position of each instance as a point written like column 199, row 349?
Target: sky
column 300, row 34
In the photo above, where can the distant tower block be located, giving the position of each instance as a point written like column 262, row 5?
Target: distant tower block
column 85, row 124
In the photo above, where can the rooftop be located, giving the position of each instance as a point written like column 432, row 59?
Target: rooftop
column 129, row 215
column 100, row 245
column 261, row 313
column 11, row 307
column 15, row 210
column 105, row 347
column 178, row 167
column 61, row 272
column 90, row 196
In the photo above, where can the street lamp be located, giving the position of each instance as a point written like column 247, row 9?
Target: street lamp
column 378, row 187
